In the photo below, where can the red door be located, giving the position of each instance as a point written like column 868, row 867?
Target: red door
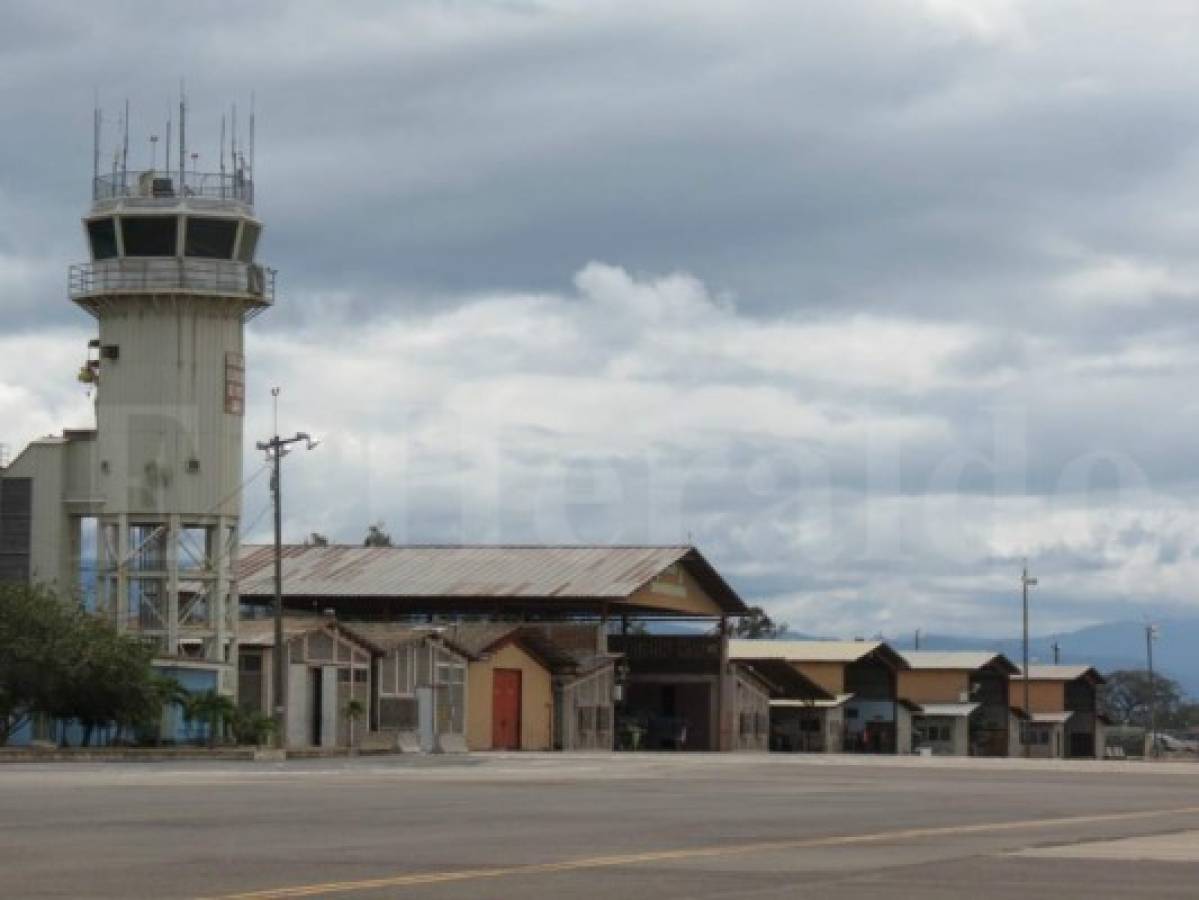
column 505, row 709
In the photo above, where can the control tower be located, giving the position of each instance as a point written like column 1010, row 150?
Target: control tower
column 171, row 280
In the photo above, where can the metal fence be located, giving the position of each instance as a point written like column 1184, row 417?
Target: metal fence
column 215, row 276
column 158, row 185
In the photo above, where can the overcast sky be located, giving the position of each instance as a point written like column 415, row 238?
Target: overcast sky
column 867, row 300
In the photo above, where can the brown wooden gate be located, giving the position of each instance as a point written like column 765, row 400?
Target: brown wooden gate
column 505, row 709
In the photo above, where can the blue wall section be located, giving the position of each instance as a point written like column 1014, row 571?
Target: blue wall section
column 22, row 736
column 194, row 681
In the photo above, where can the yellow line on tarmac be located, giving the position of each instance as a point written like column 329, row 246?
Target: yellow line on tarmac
column 628, row 859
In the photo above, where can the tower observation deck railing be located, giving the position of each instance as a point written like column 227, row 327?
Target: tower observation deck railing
column 173, row 274
column 155, row 187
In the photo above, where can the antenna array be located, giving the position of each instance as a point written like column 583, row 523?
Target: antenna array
column 241, row 158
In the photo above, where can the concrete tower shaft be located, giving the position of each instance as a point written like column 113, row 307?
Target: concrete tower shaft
column 172, row 279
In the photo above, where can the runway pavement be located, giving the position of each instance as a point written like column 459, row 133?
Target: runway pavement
column 581, row 826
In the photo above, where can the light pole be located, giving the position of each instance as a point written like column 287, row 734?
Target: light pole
column 277, row 448
column 1025, row 583
column 1150, row 637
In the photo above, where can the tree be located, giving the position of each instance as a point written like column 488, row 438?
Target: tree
column 251, row 727
column 756, row 624
column 35, row 637
column 60, row 660
column 108, row 679
column 1126, row 697
column 376, row 536
column 215, row 710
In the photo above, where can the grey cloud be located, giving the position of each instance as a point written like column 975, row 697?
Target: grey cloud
column 812, row 163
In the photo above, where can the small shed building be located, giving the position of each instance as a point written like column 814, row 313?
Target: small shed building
column 859, row 680
column 535, row 687
column 420, row 698
column 1064, row 704
column 326, row 667
column 964, row 701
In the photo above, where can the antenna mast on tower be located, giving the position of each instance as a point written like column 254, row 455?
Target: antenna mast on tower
column 167, row 153
column 95, row 141
column 251, row 172
column 182, row 137
column 125, row 150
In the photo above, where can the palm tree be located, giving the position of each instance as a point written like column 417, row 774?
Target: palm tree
column 354, row 710
column 212, row 708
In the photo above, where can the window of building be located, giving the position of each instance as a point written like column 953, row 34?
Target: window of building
column 404, row 665
column 150, row 235
column 210, row 238
column 449, row 669
column 249, row 241
column 102, row 234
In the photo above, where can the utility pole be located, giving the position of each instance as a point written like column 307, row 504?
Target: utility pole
column 1150, row 637
column 277, row 448
column 1025, row 583
column 1057, row 653
column 917, row 638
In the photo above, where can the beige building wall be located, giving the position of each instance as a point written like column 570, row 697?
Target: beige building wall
column 828, row 675
column 938, row 686
column 536, row 699
column 1043, row 696
column 676, row 590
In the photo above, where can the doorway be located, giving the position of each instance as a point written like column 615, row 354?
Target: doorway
column 505, row 709
column 317, row 704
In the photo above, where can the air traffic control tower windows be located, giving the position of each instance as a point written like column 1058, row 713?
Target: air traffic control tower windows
column 149, row 235
column 249, row 241
column 102, row 235
column 210, row 238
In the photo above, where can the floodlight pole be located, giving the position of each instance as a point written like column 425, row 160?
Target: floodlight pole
column 1025, row 583
column 276, row 449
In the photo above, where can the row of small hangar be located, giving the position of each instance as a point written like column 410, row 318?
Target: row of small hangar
column 540, row 647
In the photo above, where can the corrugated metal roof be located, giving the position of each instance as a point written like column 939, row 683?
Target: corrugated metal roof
column 1054, row 718
column 387, row 635
column 261, row 632
column 543, row 573
column 839, row 700
column 928, row 660
column 803, row 651
column 1058, row 673
column 948, row 709
column 785, row 680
